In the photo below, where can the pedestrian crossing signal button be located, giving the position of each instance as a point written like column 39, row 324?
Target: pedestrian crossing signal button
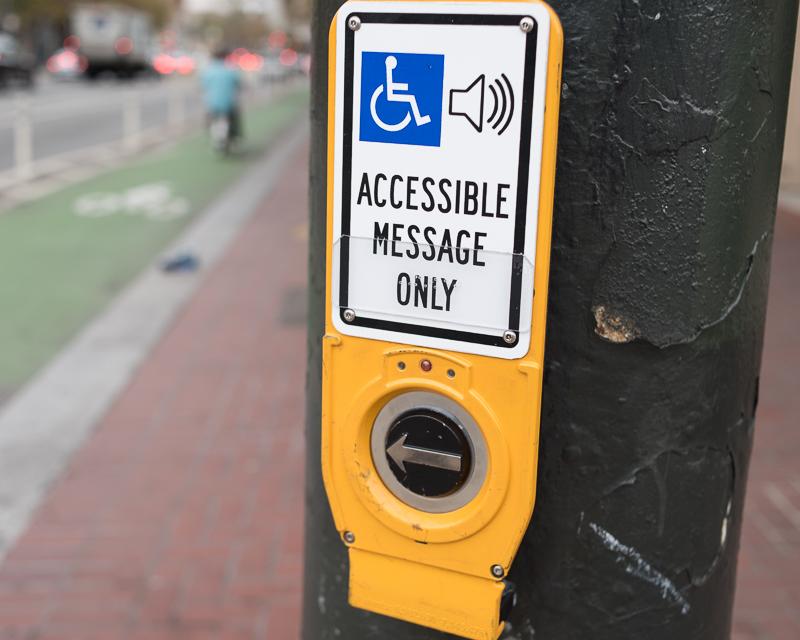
column 428, row 453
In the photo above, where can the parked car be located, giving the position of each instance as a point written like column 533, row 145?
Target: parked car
column 16, row 66
column 273, row 71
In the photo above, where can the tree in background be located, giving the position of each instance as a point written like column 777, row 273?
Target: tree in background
column 299, row 11
column 57, row 12
column 236, row 29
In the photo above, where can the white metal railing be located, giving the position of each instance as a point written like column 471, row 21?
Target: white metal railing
column 183, row 112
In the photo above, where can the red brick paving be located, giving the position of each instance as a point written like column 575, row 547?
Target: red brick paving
column 181, row 516
column 768, row 587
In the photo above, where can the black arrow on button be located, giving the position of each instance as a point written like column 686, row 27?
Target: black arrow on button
column 401, row 453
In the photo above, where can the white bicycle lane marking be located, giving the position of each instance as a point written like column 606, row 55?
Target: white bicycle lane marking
column 154, row 201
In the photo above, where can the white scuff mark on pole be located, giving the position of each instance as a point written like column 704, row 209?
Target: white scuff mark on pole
column 723, row 535
column 637, row 566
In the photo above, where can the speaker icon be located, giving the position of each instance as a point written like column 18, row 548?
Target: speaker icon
column 469, row 103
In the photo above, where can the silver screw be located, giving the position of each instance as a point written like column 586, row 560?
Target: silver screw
column 509, row 337
column 497, row 571
column 526, row 24
column 354, row 22
column 349, row 315
column 349, row 537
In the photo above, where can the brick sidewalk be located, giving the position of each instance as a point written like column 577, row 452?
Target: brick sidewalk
column 181, row 516
column 768, row 590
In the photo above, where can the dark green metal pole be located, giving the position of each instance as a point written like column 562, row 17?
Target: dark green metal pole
column 671, row 138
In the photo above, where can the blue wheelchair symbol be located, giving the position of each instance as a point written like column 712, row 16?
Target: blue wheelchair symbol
column 401, row 98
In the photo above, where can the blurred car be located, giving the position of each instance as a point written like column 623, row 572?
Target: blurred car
column 67, row 64
column 16, row 66
column 283, row 64
column 174, row 62
column 114, row 38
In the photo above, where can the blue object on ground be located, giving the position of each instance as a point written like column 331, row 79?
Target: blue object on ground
column 181, row 262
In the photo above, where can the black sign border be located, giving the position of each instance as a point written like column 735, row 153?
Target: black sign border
column 523, row 175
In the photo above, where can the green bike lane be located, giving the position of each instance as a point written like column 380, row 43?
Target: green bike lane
column 65, row 256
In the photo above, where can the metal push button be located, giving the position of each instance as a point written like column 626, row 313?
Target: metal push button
column 429, row 451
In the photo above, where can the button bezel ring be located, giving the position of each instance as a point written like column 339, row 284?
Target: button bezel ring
column 416, row 400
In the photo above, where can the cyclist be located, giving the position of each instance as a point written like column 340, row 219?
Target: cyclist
column 222, row 85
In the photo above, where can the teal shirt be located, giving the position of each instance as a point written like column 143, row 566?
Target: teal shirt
column 221, row 86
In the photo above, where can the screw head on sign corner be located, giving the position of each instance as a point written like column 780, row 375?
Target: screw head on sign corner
column 509, row 337
column 526, row 24
column 498, row 571
column 354, row 22
column 349, row 315
column 349, row 537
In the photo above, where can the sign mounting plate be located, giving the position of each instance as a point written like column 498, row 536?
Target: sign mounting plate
column 438, row 144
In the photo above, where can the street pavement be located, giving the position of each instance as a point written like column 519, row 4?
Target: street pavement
column 181, row 516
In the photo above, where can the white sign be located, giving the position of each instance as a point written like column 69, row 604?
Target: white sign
column 438, row 142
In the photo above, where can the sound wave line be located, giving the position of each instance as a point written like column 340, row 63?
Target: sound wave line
column 503, row 110
column 503, row 106
column 494, row 111
column 511, row 99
